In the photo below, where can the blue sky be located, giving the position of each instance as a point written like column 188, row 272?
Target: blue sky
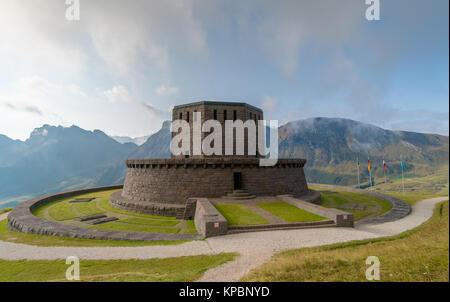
column 124, row 65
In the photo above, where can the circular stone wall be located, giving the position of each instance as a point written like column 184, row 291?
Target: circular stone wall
column 173, row 180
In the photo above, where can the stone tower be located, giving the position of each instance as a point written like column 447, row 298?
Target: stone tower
column 163, row 186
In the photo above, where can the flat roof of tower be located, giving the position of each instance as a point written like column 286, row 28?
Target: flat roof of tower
column 217, row 104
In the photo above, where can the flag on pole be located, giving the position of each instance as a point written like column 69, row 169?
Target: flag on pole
column 384, row 165
column 370, row 173
column 403, row 181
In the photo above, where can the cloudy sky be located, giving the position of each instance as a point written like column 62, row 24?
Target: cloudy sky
column 125, row 64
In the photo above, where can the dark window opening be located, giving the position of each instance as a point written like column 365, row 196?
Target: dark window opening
column 251, row 115
column 224, row 115
column 187, row 116
column 181, row 115
column 234, row 115
column 215, row 114
column 237, row 180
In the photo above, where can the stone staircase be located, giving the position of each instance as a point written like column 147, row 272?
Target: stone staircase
column 180, row 213
column 280, row 226
column 239, row 195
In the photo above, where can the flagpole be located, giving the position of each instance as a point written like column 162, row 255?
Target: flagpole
column 384, row 171
column 370, row 174
column 403, row 182
column 359, row 184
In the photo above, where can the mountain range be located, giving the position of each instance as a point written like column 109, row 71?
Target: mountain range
column 56, row 158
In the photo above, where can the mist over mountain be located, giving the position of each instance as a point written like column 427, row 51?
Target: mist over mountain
column 57, row 158
column 126, row 139
column 156, row 146
column 332, row 147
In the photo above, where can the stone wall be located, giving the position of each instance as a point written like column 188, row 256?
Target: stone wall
column 176, row 180
column 21, row 219
column 161, row 209
column 399, row 209
column 208, row 220
column 243, row 111
column 341, row 218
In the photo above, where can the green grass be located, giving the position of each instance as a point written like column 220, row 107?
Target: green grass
column 87, row 208
column 237, row 214
column 62, row 211
column 104, row 204
column 434, row 183
column 190, row 229
column 152, row 222
column 337, row 198
column 44, row 240
column 333, row 200
column 289, row 212
column 421, row 254
column 118, row 226
column 40, row 211
column 181, row 269
column 5, row 210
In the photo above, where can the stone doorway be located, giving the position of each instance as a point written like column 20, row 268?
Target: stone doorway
column 237, row 180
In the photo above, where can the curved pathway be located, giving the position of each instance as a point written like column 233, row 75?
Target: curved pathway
column 254, row 248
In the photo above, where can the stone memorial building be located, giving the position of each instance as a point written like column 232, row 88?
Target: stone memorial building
column 164, row 186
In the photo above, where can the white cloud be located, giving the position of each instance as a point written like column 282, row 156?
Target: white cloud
column 128, row 37
column 34, row 101
column 35, row 35
column 269, row 103
column 284, row 27
column 167, row 91
column 120, row 94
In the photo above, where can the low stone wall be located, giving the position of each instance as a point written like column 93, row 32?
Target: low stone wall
column 399, row 209
column 171, row 210
column 341, row 218
column 208, row 220
column 21, row 219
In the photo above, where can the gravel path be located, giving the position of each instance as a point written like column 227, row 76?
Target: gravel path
column 254, row 248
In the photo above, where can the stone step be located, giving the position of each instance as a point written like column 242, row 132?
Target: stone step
column 180, row 213
column 273, row 227
column 240, row 197
column 102, row 220
column 91, row 217
column 237, row 194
